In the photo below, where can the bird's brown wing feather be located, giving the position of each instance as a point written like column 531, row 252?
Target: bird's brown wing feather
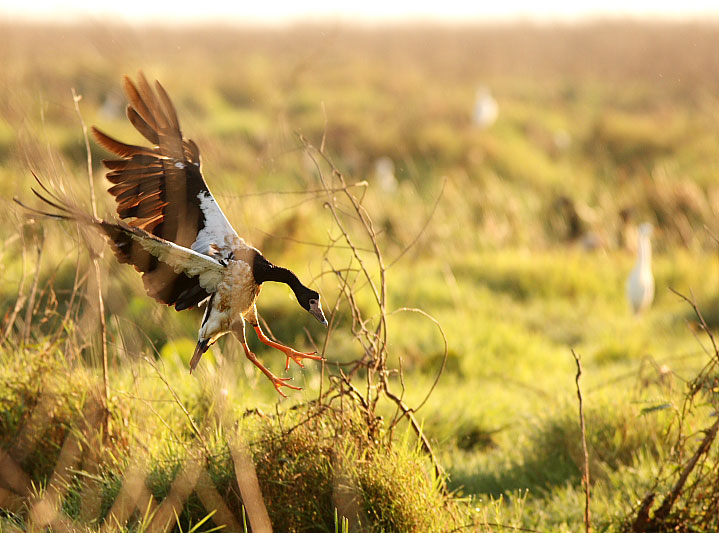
column 160, row 189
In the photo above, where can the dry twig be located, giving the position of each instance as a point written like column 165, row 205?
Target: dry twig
column 96, row 263
column 585, row 473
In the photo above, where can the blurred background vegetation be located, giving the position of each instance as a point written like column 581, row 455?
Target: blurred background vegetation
column 522, row 231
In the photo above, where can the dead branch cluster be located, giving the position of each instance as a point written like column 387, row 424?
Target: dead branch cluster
column 686, row 489
column 364, row 268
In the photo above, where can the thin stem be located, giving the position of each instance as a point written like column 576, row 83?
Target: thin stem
column 33, row 291
column 98, row 277
column 585, row 475
column 19, row 300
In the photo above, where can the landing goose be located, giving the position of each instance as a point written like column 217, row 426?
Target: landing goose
column 172, row 230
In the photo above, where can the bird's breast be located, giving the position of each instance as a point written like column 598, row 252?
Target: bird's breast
column 238, row 290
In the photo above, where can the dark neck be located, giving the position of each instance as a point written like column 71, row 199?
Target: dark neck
column 263, row 270
column 283, row 275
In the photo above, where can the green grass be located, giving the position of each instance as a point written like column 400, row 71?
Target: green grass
column 499, row 262
column 303, row 473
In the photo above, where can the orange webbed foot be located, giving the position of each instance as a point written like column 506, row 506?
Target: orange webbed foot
column 291, row 353
column 278, row 383
column 297, row 357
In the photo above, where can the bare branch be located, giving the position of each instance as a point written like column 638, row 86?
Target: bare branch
column 98, row 277
column 585, row 474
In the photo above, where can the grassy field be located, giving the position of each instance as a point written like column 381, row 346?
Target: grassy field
column 516, row 238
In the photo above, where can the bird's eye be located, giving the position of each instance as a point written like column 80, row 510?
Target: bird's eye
column 313, row 301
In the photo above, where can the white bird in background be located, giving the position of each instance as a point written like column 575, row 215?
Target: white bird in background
column 486, row 108
column 384, row 174
column 640, row 285
column 113, row 106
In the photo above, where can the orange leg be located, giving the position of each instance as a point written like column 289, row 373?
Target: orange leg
column 289, row 352
column 277, row 382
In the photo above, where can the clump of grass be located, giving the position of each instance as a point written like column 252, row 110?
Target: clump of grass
column 311, row 462
column 332, row 463
column 684, row 495
column 30, row 398
column 396, row 498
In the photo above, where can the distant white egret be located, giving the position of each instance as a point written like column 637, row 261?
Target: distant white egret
column 486, row 109
column 384, row 174
column 113, row 106
column 640, row 285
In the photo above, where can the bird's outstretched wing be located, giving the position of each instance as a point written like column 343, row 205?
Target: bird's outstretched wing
column 160, row 189
column 172, row 274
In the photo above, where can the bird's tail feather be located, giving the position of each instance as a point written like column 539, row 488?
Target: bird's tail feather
column 64, row 209
column 202, row 346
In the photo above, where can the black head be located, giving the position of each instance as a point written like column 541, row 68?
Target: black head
column 310, row 300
